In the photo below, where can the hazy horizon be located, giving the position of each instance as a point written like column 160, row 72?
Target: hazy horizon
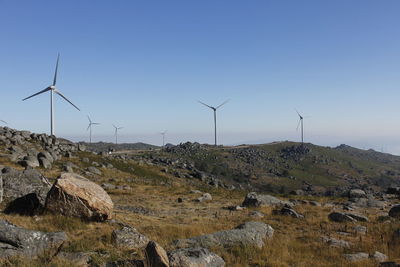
column 145, row 65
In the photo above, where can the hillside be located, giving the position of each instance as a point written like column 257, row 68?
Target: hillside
column 106, row 146
column 62, row 205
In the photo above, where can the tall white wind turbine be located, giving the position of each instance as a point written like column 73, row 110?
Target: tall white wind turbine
column 90, row 128
column 215, row 117
column 52, row 88
column 116, row 133
column 163, row 137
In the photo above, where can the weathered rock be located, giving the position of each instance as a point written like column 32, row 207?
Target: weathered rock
column 340, row 217
column 17, row 241
column 287, row 211
column 74, row 195
column 156, row 255
column 23, row 192
column 205, row 197
column 46, row 155
column 247, row 234
column 255, row 200
column 45, row 163
column 129, row 237
column 357, row 217
column 337, row 243
column 194, row 257
column 30, row 161
column 360, row 229
column 126, row 263
column 389, row 264
column 78, row 259
column 257, row 214
column 379, row 257
column 94, row 170
column 394, row 212
column 356, row 256
column 357, row 193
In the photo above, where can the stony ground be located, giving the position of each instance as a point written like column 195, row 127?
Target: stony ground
column 164, row 208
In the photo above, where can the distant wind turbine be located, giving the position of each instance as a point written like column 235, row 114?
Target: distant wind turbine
column 116, row 133
column 301, row 118
column 215, row 117
column 52, row 88
column 90, row 128
column 163, row 137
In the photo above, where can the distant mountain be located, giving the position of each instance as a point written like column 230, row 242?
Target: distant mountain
column 104, row 146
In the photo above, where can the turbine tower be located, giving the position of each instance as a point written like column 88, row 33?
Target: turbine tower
column 302, row 127
column 52, row 88
column 215, row 118
column 163, row 137
column 90, row 128
column 116, row 133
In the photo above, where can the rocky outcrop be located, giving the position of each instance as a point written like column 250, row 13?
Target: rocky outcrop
column 255, row 200
column 128, row 237
column 17, row 241
column 395, row 212
column 247, row 234
column 74, row 195
column 194, row 257
column 23, row 192
column 346, row 217
column 156, row 256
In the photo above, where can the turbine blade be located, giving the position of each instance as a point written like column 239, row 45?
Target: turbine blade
column 114, row 126
column 297, row 128
column 222, row 104
column 205, row 104
column 55, row 73
column 38, row 93
column 297, row 113
column 95, row 123
column 3, row 121
column 88, row 127
column 90, row 121
column 119, row 128
column 66, row 99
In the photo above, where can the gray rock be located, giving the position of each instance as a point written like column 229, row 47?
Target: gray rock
column 107, row 186
column 394, row 212
column 79, row 259
column 356, row 256
column 23, row 192
column 194, row 257
column 287, row 211
column 46, row 155
column 156, row 256
column 94, row 170
column 360, row 229
column 379, row 257
column 255, row 200
column 126, row 263
column 247, row 234
column 45, row 163
column 128, row 237
column 17, row 241
column 205, row 197
column 337, row 243
column 357, row 193
column 257, row 214
column 340, row 217
column 357, row 217
column 30, row 161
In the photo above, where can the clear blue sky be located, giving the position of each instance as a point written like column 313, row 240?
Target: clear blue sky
column 144, row 64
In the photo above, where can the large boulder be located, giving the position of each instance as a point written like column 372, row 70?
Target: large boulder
column 357, row 193
column 17, row 241
column 395, row 212
column 129, row 237
column 156, row 256
column 74, row 195
column 255, row 200
column 194, row 257
column 247, row 234
column 23, row 192
column 346, row 217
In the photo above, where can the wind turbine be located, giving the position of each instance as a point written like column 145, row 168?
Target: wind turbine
column 90, row 127
column 116, row 133
column 215, row 117
column 301, row 118
column 52, row 88
column 163, row 137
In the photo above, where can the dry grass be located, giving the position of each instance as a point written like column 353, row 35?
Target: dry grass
column 296, row 242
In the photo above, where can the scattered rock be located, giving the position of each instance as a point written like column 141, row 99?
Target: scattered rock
column 340, row 217
column 379, row 257
column 255, row 200
column 357, row 193
column 94, row 170
column 129, row 237
column 74, row 195
column 79, row 259
column 194, row 257
column 288, row 211
column 205, row 197
column 156, row 255
column 249, row 233
column 17, row 241
column 337, row 243
column 257, row 214
column 356, row 256
column 394, row 212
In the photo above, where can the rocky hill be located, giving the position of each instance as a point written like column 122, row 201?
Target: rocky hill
column 105, row 147
column 195, row 205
